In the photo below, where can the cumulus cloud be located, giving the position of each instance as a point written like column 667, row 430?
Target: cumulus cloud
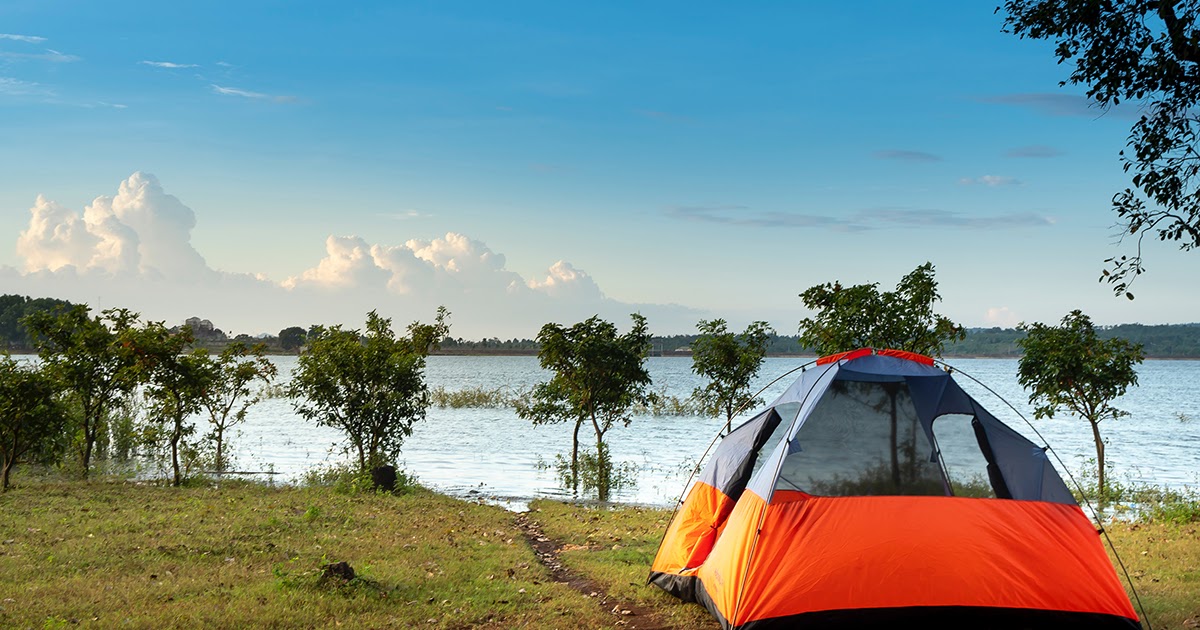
column 134, row 250
column 1001, row 316
column 141, row 230
column 563, row 279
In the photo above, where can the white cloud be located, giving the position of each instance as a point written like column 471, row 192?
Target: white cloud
column 1001, row 316
column 168, row 64
column 257, row 96
column 29, row 39
column 134, row 250
column 16, row 87
column 563, row 279
column 990, row 180
column 142, row 230
column 347, row 264
column 49, row 55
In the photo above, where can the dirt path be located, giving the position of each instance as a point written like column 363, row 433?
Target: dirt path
column 626, row 614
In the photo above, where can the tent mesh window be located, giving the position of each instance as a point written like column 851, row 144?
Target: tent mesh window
column 961, row 457
column 862, row 438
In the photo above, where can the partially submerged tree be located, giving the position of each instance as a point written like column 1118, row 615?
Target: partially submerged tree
column 227, row 396
column 598, row 377
column 32, row 419
column 95, row 358
column 860, row 316
column 1145, row 52
column 370, row 385
column 175, row 386
column 729, row 361
column 1068, row 368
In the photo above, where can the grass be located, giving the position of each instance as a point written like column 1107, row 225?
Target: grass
column 116, row 554
column 108, row 554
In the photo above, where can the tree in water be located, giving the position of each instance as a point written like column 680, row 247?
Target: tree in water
column 729, row 362
column 1147, row 52
column 598, row 377
column 227, row 395
column 1068, row 368
column 97, row 359
column 369, row 385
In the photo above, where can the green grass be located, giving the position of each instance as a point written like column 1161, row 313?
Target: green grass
column 111, row 554
column 118, row 554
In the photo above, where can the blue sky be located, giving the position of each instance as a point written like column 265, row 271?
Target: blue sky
column 529, row 162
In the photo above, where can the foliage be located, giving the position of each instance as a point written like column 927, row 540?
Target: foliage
column 176, row 384
column 345, row 479
column 14, row 309
column 32, row 419
column 1068, row 368
column 98, row 360
column 729, row 362
column 227, row 395
column 472, row 397
column 598, row 377
column 292, row 338
column 860, row 316
column 370, row 386
column 1147, row 52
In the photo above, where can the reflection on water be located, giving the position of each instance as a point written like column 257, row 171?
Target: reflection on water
column 492, row 454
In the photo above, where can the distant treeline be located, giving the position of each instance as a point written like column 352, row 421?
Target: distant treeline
column 1167, row 341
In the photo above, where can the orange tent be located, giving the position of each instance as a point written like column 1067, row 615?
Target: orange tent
column 876, row 490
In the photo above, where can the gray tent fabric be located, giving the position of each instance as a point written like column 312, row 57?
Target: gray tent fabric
column 1018, row 468
column 729, row 467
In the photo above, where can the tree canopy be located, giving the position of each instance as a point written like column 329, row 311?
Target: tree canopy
column 369, row 385
column 1069, row 368
column 599, row 376
column 32, row 419
column 729, row 361
column 1147, row 52
column 98, row 359
column 860, row 316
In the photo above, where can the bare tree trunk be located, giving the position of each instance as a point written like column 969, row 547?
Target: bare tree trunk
column 8, row 464
column 175, row 435
column 575, row 457
column 1099, row 460
column 603, row 473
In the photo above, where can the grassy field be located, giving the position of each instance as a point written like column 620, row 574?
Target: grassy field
column 122, row 555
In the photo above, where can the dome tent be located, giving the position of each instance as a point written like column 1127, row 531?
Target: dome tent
column 876, row 490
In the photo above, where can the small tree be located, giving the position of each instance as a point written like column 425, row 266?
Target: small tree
column 176, row 382
column 32, row 420
column 860, row 316
column 95, row 358
column 227, row 396
column 598, row 377
column 1068, row 368
column 292, row 338
column 729, row 362
column 371, row 386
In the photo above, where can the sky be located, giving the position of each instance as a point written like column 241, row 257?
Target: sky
column 271, row 164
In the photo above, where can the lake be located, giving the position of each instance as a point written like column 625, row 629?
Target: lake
column 492, row 454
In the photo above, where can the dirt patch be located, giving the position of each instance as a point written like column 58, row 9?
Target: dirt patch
column 626, row 614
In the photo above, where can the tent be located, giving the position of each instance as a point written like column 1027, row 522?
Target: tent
column 876, row 490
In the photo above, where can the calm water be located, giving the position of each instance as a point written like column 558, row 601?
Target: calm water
column 493, row 454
